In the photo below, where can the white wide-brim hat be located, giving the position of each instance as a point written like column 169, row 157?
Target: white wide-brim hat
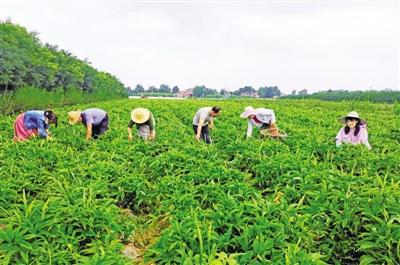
column 247, row 112
column 353, row 114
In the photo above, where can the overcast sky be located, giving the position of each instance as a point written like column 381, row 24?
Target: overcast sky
column 293, row 45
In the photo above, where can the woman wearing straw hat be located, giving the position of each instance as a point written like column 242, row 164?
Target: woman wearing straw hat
column 34, row 123
column 354, row 131
column 145, row 124
column 261, row 118
column 95, row 120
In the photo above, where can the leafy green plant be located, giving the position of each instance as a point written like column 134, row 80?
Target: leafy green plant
column 237, row 201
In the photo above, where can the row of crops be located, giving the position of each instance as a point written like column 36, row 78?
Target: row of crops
column 176, row 201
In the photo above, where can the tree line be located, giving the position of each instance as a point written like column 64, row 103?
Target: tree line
column 153, row 89
column 201, row 91
column 387, row 95
column 28, row 64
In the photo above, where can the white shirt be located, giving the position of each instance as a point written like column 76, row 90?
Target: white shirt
column 202, row 113
column 265, row 116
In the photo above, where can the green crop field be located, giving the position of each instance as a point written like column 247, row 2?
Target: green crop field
column 176, row 201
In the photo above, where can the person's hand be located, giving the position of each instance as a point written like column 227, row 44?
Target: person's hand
column 152, row 136
column 49, row 138
column 130, row 137
column 197, row 138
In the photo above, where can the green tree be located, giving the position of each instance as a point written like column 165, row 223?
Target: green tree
column 152, row 89
column 138, row 89
column 26, row 62
column 269, row 92
column 303, row 92
column 164, row 89
column 203, row 91
column 175, row 90
column 224, row 92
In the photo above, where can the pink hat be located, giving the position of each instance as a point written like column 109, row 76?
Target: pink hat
column 247, row 112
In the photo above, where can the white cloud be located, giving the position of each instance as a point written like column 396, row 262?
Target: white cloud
column 294, row 46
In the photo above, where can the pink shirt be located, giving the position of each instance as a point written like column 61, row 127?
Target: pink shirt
column 361, row 138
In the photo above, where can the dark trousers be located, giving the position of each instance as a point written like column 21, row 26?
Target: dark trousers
column 205, row 134
column 101, row 128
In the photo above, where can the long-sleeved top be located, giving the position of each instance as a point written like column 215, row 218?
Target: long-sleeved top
column 34, row 119
column 264, row 117
column 93, row 116
column 350, row 138
column 150, row 122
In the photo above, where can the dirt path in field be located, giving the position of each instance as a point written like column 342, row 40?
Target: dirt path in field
column 142, row 239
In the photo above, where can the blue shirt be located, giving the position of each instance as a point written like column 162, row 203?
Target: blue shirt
column 93, row 116
column 34, row 119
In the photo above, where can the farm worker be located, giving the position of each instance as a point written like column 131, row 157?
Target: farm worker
column 354, row 131
column 203, row 120
column 145, row 124
column 262, row 118
column 34, row 123
column 95, row 120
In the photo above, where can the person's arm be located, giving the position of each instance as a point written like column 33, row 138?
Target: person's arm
column 152, row 125
column 273, row 119
column 249, row 129
column 130, row 137
column 339, row 137
column 89, row 124
column 88, row 131
column 48, row 135
column 41, row 129
column 364, row 138
column 46, row 127
column 211, row 123
column 199, row 127
column 130, row 125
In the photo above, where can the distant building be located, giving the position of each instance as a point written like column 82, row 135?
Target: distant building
column 188, row 93
column 246, row 94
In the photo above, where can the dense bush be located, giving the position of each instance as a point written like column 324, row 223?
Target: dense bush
column 388, row 96
column 26, row 64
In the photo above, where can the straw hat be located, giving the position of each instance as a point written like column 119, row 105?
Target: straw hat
column 247, row 112
column 140, row 115
column 352, row 114
column 74, row 116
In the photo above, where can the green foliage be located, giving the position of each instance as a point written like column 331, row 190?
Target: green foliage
column 36, row 98
column 163, row 91
column 397, row 108
column 269, row 92
column 26, row 63
column 155, row 94
column 245, row 91
column 6, row 102
column 175, row 90
column 203, row 91
column 237, row 201
column 388, row 96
